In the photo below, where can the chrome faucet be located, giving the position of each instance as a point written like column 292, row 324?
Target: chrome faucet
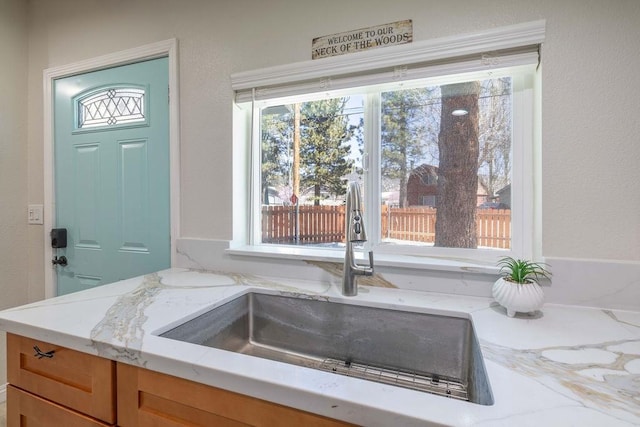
column 354, row 233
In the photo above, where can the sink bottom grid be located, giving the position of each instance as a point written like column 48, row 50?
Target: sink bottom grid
column 427, row 383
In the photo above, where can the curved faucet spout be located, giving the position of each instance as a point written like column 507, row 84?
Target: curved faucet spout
column 354, row 233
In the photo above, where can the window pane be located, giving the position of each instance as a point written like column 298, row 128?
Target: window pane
column 309, row 150
column 446, row 165
column 109, row 107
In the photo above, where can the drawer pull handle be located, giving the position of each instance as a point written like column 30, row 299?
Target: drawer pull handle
column 40, row 354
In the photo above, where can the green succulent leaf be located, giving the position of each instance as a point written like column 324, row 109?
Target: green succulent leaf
column 523, row 271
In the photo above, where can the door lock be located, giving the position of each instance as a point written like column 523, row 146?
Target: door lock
column 58, row 238
column 60, row 261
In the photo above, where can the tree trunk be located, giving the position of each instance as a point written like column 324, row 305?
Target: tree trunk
column 458, row 167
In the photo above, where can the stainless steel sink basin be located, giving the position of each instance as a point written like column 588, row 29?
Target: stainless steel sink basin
column 426, row 352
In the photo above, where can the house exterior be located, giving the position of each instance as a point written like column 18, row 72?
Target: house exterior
column 422, row 187
column 504, row 195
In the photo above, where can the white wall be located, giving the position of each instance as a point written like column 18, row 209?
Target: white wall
column 13, row 161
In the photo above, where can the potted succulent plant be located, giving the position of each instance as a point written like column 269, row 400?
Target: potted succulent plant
column 518, row 289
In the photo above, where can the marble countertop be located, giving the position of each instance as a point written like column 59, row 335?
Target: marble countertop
column 562, row 366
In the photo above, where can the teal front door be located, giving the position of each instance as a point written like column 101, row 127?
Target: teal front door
column 111, row 151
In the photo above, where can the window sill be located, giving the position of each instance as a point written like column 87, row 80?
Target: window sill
column 413, row 262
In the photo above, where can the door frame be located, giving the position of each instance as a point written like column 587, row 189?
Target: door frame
column 167, row 48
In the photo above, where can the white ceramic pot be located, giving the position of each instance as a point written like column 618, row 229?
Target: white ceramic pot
column 518, row 297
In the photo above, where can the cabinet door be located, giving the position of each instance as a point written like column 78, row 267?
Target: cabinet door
column 148, row 398
column 26, row 409
column 80, row 381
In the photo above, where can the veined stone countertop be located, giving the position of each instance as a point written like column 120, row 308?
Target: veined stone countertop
column 563, row 366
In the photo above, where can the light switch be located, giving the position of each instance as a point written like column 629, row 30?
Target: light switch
column 35, row 214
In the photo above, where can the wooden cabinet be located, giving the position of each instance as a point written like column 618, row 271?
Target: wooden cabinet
column 82, row 382
column 54, row 386
column 26, row 409
column 148, row 398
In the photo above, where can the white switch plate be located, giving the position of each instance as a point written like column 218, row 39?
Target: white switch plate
column 35, row 214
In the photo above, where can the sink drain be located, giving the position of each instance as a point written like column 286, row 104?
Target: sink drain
column 427, row 383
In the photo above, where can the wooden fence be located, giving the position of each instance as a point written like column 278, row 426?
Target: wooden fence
column 316, row 224
column 325, row 224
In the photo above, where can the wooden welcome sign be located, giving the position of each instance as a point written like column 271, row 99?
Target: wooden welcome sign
column 395, row 33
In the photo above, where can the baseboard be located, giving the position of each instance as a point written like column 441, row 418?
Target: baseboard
column 3, row 393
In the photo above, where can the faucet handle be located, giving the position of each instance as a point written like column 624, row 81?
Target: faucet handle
column 371, row 261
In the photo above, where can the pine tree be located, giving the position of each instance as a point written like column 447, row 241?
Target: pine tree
column 325, row 148
column 277, row 131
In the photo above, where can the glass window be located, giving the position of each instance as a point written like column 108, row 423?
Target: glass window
column 110, row 107
column 309, row 150
column 442, row 170
column 449, row 145
column 442, row 146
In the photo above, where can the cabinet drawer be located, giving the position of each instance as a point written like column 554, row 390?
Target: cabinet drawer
column 148, row 398
column 73, row 379
column 25, row 409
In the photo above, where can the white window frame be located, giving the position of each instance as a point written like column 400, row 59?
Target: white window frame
column 255, row 88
